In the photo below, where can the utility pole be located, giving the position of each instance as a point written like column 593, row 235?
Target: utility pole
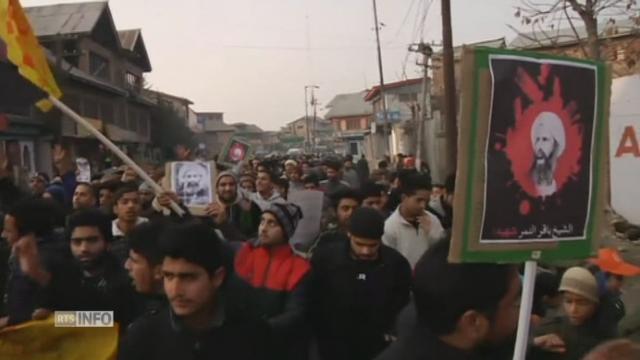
column 450, row 113
column 306, row 112
column 306, row 117
column 382, row 97
column 314, row 102
column 425, row 106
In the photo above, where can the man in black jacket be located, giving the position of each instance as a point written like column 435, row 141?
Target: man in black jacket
column 463, row 311
column 201, row 322
column 35, row 252
column 359, row 288
column 91, row 280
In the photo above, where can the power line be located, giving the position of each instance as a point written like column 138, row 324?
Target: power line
column 404, row 20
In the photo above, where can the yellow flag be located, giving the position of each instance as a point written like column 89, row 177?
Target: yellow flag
column 24, row 51
column 41, row 340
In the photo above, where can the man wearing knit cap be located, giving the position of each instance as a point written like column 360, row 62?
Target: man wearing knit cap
column 279, row 280
column 573, row 336
column 234, row 215
column 359, row 287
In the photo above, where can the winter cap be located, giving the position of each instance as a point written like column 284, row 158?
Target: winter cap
column 288, row 216
column 609, row 260
column 226, row 173
column 580, row 281
column 367, row 223
column 291, row 162
column 145, row 187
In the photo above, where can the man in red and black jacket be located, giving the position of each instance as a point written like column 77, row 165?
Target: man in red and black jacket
column 279, row 280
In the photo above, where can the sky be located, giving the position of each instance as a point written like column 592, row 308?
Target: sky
column 251, row 59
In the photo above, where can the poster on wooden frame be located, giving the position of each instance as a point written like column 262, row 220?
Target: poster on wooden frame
column 532, row 158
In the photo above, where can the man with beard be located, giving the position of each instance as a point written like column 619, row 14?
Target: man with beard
column 234, row 215
column 104, row 284
column 38, row 184
column 548, row 141
column 359, row 287
column 464, row 311
column 192, row 187
column 84, row 196
column 93, row 281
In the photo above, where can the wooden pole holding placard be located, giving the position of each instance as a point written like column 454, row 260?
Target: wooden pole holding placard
column 103, row 139
column 526, row 305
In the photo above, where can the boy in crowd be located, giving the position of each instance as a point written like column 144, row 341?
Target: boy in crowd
column 127, row 208
column 201, row 322
column 411, row 229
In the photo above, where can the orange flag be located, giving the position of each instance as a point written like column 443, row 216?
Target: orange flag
column 20, row 47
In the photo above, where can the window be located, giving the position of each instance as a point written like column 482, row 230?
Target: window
column 99, row 66
column 132, row 80
column 405, row 98
column 353, row 124
column 620, row 54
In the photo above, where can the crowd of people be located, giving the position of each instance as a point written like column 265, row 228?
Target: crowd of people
column 375, row 284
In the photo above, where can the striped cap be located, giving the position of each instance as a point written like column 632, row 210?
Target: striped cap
column 288, row 216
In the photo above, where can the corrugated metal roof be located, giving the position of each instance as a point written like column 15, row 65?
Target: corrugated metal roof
column 349, row 105
column 566, row 36
column 76, row 18
column 128, row 38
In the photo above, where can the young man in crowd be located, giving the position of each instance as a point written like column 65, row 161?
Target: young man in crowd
column 101, row 282
column 248, row 182
column 359, row 287
column 411, row 229
column 346, row 202
column 265, row 194
column 334, row 182
column 236, row 217
column 106, row 193
column 84, row 197
column 372, row 194
column 572, row 336
column 279, row 279
column 349, row 173
column 311, row 182
column 127, row 208
column 464, row 311
column 201, row 321
column 36, row 252
column 38, row 184
column 145, row 266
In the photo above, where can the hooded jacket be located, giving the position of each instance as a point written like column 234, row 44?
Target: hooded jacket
column 279, row 280
column 243, row 215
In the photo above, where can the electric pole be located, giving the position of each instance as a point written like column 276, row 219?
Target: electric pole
column 425, row 105
column 306, row 117
column 383, row 99
column 450, row 113
column 306, row 112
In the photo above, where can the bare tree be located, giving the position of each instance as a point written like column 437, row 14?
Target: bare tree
column 547, row 18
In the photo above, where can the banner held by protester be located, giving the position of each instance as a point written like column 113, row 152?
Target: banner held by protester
column 532, row 173
column 234, row 152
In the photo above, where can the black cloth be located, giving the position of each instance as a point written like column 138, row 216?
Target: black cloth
column 162, row 336
column 327, row 238
column 9, row 195
column 120, row 249
column 420, row 344
column 23, row 295
column 242, row 224
column 109, row 290
column 355, row 303
column 395, row 197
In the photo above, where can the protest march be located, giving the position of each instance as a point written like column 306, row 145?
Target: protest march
column 503, row 231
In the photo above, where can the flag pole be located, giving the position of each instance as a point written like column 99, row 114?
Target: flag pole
column 127, row 160
column 526, row 304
